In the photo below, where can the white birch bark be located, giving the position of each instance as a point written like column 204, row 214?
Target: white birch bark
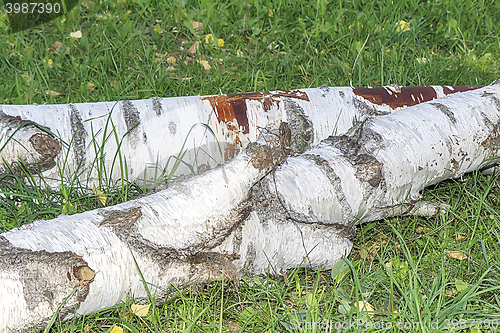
column 152, row 132
column 226, row 222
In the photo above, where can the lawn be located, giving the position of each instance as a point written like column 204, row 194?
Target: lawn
column 405, row 273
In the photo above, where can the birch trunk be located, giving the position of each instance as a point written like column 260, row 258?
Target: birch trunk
column 230, row 220
column 153, row 133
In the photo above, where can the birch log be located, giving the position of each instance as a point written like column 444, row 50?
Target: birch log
column 226, row 222
column 152, row 133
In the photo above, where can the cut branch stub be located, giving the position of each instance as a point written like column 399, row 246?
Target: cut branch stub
column 25, row 145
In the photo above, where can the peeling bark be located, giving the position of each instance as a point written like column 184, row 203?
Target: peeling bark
column 150, row 132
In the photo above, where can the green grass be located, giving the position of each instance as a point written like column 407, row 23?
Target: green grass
column 399, row 266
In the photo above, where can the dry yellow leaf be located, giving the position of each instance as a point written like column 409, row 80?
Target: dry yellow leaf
column 76, row 34
column 205, row 64
column 451, row 293
column 456, row 255
column 140, row 310
column 116, row 329
column 171, row 60
column 194, row 48
column 52, row 93
column 365, row 307
column 459, row 237
column 101, row 196
column 115, row 84
column 197, row 26
column 91, row 85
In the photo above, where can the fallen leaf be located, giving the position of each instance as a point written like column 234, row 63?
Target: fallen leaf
column 91, row 85
column 193, row 48
column 52, row 93
column 205, row 64
column 101, row 196
column 54, row 49
column 461, row 285
column 115, row 84
column 459, row 237
column 197, row 26
column 456, row 255
column 365, row 307
column 368, row 252
column 116, row 329
column 451, row 293
column 140, row 310
column 76, row 34
column 171, row 60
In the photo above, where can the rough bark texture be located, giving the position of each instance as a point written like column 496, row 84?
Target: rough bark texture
column 25, row 145
column 150, row 132
column 251, row 213
column 171, row 234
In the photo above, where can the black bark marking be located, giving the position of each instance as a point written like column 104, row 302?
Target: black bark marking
column 324, row 89
column 323, row 165
column 132, row 119
column 123, row 223
column 79, row 136
column 492, row 141
column 360, row 139
column 302, row 129
column 250, row 258
column 273, row 151
column 157, row 105
column 368, row 169
column 366, row 109
column 446, row 111
column 268, row 206
column 172, row 127
column 44, row 275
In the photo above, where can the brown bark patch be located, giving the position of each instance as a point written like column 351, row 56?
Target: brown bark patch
column 233, row 106
column 397, row 97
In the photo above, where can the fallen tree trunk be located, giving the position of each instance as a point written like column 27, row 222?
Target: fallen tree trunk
column 226, row 222
column 154, row 134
